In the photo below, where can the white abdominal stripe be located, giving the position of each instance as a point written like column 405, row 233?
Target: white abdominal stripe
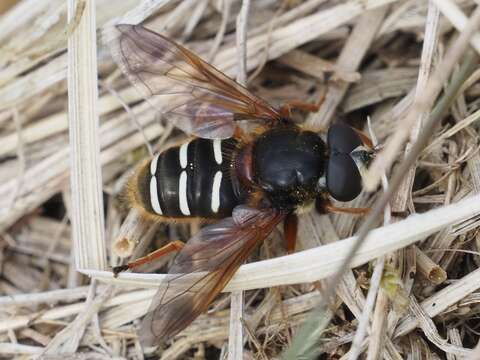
column 217, row 180
column 217, row 183
column 182, row 194
column 155, row 203
column 217, row 151
column 154, row 196
column 182, row 181
column 183, row 155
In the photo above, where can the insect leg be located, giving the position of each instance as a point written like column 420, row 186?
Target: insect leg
column 346, row 210
column 325, row 206
column 164, row 250
column 287, row 108
column 241, row 135
column 364, row 137
column 290, row 227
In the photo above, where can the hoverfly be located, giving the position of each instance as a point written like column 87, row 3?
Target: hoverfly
column 250, row 182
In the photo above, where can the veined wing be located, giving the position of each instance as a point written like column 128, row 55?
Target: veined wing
column 203, row 268
column 191, row 93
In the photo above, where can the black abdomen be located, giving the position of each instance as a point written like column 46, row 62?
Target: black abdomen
column 192, row 180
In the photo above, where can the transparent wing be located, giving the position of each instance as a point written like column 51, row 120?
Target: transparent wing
column 195, row 96
column 203, row 268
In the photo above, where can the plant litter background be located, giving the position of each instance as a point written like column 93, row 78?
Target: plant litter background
column 365, row 58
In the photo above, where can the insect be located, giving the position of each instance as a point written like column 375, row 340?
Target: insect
column 249, row 181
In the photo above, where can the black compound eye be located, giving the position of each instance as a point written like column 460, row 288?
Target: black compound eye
column 342, row 138
column 344, row 181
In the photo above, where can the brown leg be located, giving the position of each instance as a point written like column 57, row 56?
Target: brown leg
column 255, row 198
column 361, row 211
column 241, row 135
column 290, row 227
column 342, row 210
column 286, row 109
column 325, row 206
column 365, row 139
column 164, row 250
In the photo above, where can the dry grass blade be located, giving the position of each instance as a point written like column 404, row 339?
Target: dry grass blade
column 374, row 59
column 86, row 179
column 375, row 281
column 349, row 60
column 319, row 263
column 432, row 334
column 421, row 105
column 236, row 333
column 475, row 354
column 433, row 88
column 429, row 268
